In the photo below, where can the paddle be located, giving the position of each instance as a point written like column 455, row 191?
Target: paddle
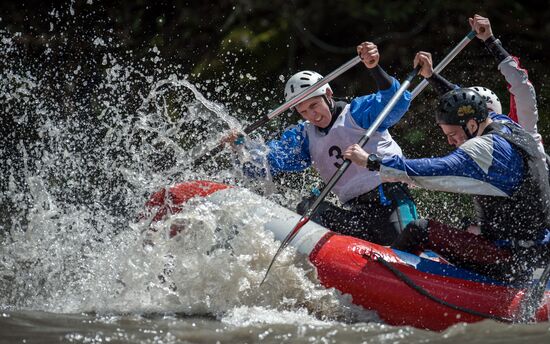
column 333, row 75
column 533, row 297
column 381, row 117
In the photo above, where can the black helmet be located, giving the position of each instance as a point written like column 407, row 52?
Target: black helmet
column 458, row 106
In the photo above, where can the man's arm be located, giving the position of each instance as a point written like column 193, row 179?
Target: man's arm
column 288, row 154
column 366, row 109
column 382, row 79
column 485, row 165
column 523, row 99
column 439, row 83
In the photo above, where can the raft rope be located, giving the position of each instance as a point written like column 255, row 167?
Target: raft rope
column 424, row 292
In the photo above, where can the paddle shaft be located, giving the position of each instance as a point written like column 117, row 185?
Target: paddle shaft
column 308, row 91
column 533, row 297
column 441, row 65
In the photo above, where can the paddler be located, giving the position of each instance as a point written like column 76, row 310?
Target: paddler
column 497, row 162
column 523, row 100
column 371, row 210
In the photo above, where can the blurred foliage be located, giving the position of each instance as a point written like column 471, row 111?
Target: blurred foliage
column 240, row 52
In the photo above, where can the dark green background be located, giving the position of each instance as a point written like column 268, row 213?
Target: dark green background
column 272, row 38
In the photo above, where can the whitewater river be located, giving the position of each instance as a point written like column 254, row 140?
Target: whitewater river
column 245, row 326
column 86, row 140
column 200, row 286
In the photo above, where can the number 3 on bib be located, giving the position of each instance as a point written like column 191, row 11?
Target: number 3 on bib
column 337, row 153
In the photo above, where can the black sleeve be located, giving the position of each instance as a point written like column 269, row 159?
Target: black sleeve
column 495, row 48
column 440, row 84
column 382, row 79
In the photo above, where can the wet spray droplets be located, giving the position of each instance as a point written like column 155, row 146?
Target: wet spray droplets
column 91, row 137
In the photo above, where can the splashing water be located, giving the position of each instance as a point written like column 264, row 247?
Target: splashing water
column 87, row 143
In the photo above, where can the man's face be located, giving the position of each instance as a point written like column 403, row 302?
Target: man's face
column 316, row 111
column 455, row 134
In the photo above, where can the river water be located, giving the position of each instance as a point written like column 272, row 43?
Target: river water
column 265, row 327
column 86, row 139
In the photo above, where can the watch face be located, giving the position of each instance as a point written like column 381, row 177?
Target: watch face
column 372, row 162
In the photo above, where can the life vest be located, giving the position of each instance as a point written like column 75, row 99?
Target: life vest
column 327, row 148
column 525, row 215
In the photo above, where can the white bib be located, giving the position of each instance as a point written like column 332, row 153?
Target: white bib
column 327, row 155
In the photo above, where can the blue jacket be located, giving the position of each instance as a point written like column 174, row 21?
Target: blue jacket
column 484, row 165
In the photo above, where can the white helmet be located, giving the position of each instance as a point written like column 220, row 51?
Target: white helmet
column 302, row 80
column 491, row 99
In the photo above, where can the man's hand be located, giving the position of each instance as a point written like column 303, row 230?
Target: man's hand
column 357, row 155
column 424, row 59
column 368, row 52
column 474, row 229
column 234, row 138
column 481, row 26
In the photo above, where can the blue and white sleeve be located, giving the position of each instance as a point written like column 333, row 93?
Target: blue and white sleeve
column 288, row 154
column 291, row 152
column 485, row 165
column 366, row 109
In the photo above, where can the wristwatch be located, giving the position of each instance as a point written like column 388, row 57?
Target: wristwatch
column 373, row 162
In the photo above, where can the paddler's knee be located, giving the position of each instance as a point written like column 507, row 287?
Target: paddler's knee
column 413, row 237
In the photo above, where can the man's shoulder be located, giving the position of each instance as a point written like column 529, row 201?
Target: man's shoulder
column 480, row 149
column 297, row 127
column 480, row 143
column 293, row 133
column 486, row 143
column 504, row 119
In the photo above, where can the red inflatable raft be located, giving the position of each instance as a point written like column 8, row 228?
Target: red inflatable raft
column 404, row 289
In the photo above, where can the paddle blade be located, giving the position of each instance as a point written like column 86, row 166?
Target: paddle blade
column 285, row 243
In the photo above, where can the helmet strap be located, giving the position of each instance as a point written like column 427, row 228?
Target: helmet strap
column 467, row 132
column 333, row 113
column 330, row 103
